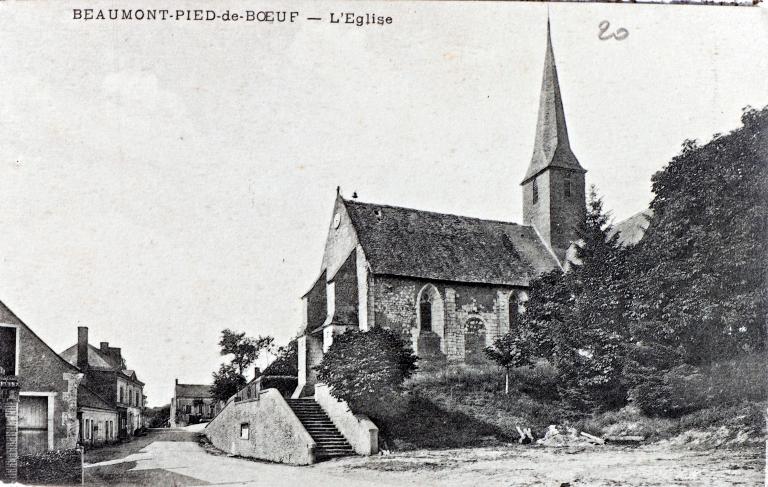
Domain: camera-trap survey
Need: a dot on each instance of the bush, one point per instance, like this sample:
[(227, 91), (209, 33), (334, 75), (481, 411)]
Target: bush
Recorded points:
[(287, 361), (286, 384), (55, 467), (367, 369), (685, 389)]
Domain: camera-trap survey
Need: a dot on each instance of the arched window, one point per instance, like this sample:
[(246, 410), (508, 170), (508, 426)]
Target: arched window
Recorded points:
[(427, 332), (514, 311), (425, 309), (474, 340)]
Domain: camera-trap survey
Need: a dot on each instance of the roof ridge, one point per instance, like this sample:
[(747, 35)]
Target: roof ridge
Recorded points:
[(356, 202)]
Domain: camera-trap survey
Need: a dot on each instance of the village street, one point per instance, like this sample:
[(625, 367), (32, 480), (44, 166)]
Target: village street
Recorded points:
[(172, 457)]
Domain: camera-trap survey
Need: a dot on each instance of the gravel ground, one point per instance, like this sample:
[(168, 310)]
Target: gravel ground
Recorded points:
[(174, 457), (651, 465)]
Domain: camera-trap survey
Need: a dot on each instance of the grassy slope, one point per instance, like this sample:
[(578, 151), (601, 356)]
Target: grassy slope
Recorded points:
[(467, 407)]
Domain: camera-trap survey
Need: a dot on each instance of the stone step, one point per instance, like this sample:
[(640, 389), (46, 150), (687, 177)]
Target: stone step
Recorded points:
[(330, 442)]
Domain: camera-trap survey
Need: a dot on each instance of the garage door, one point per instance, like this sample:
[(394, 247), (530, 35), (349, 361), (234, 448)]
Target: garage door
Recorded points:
[(33, 424)]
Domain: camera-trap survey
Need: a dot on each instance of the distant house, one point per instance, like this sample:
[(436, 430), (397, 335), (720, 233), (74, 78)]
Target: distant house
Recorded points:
[(107, 378), (38, 395), (191, 404), (98, 418)]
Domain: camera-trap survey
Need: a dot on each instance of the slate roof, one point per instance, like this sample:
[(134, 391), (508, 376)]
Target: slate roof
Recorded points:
[(193, 390), (551, 146), (88, 398), (438, 246), (95, 359)]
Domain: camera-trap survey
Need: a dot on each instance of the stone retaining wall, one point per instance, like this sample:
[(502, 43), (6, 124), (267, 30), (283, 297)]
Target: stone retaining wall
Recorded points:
[(274, 432)]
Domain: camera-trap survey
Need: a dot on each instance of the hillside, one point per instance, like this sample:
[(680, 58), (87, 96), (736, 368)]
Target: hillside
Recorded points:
[(467, 407)]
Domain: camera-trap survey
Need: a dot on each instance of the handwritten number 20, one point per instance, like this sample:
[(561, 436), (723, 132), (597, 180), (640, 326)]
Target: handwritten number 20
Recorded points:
[(620, 34)]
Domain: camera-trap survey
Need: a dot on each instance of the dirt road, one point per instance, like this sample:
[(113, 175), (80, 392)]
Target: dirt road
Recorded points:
[(173, 457)]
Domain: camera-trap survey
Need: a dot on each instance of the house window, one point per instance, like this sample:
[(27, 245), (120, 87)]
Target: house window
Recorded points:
[(130, 397), (535, 189), (120, 399), (245, 431), (8, 350), (189, 409), (567, 189)]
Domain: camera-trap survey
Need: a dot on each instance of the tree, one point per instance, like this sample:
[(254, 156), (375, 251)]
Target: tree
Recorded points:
[(282, 373), (700, 271), (509, 351), (575, 319), (230, 377), (287, 361), (367, 369), (244, 350), (226, 382)]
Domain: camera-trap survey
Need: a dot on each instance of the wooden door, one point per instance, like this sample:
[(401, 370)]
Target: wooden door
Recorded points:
[(33, 424)]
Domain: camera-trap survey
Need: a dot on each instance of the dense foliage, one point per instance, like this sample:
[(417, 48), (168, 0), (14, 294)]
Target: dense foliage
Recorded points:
[(367, 369), (699, 275), (55, 467), (244, 350), (226, 382), (575, 318), (638, 323), (158, 417), (287, 361)]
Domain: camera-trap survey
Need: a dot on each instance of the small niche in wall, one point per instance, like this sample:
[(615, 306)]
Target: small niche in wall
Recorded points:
[(245, 431)]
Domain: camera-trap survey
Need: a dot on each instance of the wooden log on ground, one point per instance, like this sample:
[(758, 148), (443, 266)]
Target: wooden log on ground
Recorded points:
[(594, 438)]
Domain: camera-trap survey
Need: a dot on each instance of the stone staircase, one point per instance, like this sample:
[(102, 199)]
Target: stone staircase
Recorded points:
[(330, 443)]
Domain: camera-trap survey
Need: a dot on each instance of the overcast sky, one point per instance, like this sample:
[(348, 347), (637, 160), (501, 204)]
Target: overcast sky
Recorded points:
[(162, 181)]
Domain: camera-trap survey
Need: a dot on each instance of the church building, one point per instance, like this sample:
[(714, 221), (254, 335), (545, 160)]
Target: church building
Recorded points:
[(449, 284)]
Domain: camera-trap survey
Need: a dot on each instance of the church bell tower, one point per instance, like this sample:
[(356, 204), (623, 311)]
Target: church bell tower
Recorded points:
[(553, 186)]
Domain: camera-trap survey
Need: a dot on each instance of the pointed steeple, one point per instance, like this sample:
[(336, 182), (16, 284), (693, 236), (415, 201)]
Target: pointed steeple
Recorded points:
[(551, 148)]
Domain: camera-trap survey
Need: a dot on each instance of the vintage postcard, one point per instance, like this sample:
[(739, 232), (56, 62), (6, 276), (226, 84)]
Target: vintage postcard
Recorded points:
[(383, 243)]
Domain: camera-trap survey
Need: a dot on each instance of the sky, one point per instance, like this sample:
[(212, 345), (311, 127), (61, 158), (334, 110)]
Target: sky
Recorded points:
[(161, 181)]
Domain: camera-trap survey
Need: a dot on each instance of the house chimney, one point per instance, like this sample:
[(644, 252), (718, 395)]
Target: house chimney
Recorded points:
[(82, 347), (177, 381), (104, 346)]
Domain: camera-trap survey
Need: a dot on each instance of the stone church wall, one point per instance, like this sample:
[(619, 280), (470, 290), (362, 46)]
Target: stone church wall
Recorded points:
[(395, 305)]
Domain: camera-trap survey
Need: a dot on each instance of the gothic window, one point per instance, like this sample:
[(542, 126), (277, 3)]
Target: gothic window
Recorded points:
[(425, 308), (513, 311), (535, 189), (474, 340), (427, 332)]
